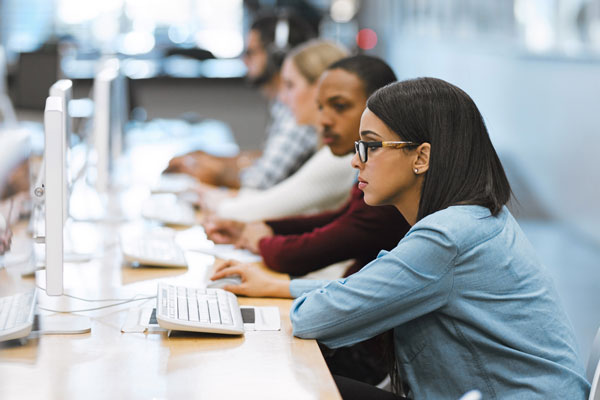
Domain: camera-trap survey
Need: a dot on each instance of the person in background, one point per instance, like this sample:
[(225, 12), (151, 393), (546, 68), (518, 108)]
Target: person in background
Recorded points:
[(288, 145), (5, 236), (299, 245), (470, 305), (10, 210), (357, 231), (324, 181)]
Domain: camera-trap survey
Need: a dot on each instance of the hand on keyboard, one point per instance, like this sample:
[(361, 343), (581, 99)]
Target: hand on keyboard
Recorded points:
[(222, 230), (256, 282)]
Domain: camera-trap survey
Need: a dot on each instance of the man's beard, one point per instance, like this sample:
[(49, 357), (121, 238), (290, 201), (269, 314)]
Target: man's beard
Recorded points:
[(265, 77)]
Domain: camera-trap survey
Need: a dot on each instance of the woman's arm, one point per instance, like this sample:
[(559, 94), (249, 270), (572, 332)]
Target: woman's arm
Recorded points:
[(257, 281), (414, 279), (360, 233), (322, 183)]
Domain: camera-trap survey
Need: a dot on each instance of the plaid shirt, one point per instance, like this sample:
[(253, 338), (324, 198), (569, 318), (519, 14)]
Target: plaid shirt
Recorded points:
[(287, 147)]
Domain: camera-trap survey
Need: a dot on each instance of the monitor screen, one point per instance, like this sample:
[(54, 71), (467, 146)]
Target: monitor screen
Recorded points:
[(54, 192), (109, 119), (64, 90), (111, 109)]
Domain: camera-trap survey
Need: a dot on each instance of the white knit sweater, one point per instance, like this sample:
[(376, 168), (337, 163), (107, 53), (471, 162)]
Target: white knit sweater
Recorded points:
[(322, 183)]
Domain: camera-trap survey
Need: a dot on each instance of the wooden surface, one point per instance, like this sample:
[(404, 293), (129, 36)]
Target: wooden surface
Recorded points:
[(109, 364)]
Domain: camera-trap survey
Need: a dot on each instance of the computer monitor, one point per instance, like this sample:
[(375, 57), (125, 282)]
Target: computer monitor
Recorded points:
[(110, 116), (54, 192), (63, 89), (55, 163), (2, 71)]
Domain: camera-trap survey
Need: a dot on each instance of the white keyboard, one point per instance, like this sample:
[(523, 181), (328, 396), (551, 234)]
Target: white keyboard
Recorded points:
[(16, 315), (174, 183), (167, 209), (198, 310), (153, 251)]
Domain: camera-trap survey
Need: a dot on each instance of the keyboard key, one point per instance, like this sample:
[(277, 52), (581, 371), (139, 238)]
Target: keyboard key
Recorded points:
[(203, 310), (5, 310), (12, 316), (182, 308), (192, 308), (213, 309)]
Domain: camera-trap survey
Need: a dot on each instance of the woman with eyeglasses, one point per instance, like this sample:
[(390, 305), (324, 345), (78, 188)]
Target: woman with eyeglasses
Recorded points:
[(470, 305), (355, 232)]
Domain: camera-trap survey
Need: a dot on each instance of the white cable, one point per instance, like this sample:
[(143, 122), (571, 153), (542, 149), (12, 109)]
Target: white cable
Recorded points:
[(92, 300), (119, 302), (95, 308)]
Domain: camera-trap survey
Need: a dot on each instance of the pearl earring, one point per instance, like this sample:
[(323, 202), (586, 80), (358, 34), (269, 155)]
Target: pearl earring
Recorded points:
[(416, 171)]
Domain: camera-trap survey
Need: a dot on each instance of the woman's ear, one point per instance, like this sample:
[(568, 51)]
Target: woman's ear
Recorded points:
[(421, 163)]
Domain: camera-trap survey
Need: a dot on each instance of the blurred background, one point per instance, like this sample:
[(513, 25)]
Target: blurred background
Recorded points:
[(532, 67)]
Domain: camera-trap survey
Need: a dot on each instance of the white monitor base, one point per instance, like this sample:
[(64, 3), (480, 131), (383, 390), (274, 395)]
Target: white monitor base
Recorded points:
[(63, 324)]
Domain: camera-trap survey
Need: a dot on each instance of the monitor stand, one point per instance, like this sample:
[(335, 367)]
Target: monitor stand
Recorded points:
[(62, 324)]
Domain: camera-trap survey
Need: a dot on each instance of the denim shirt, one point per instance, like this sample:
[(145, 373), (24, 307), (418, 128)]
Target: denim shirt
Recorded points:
[(470, 305)]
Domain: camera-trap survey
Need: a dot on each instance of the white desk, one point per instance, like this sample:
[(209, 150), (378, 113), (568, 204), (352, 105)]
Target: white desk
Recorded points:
[(109, 364)]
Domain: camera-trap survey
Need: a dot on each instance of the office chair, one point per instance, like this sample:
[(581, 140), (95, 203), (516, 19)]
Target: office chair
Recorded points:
[(594, 357), (471, 395), (386, 383), (593, 368), (595, 390)]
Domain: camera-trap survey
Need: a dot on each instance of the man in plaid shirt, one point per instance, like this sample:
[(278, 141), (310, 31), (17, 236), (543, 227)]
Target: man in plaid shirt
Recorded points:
[(288, 145)]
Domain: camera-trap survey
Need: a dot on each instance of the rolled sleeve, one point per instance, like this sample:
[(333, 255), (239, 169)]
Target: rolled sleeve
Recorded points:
[(300, 286), (410, 281)]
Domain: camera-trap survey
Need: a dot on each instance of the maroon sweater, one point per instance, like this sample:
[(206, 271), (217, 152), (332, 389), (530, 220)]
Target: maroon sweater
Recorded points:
[(356, 231)]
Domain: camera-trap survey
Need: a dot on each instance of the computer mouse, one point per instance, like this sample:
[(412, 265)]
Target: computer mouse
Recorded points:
[(221, 283)]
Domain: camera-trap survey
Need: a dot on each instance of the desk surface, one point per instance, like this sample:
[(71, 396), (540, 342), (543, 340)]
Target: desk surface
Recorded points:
[(109, 364)]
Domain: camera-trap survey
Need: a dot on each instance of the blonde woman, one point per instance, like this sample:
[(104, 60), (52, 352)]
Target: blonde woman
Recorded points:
[(324, 181)]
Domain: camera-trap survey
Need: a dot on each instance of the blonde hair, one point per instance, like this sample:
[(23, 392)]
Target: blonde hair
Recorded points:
[(313, 57)]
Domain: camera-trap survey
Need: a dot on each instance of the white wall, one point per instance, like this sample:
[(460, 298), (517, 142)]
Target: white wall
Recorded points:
[(543, 115)]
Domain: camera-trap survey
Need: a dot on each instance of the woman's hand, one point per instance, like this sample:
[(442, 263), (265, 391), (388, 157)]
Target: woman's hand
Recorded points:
[(177, 164), (204, 167), (14, 205), (209, 197), (5, 241), (223, 231), (252, 234), (256, 282)]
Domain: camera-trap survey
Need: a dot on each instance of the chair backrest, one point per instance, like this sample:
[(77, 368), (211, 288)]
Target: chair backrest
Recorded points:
[(594, 357), (595, 391), (471, 395)]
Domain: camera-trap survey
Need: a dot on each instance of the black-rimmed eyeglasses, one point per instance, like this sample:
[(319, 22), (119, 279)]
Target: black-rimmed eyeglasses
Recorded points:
[(362, 147)]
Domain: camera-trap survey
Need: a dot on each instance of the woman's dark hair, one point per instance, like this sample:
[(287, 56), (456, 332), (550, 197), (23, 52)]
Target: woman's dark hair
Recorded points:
[(372, 71), (463, 165)]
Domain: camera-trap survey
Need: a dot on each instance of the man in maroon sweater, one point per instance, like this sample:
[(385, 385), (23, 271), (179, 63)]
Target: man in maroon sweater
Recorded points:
[(356, 231), (299, 245)]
